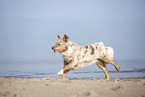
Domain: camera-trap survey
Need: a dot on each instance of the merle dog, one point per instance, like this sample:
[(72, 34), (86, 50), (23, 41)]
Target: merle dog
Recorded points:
[(76, 56)]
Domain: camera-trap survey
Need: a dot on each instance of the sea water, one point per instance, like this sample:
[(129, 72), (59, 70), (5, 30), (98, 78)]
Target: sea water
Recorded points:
[(39, 68)]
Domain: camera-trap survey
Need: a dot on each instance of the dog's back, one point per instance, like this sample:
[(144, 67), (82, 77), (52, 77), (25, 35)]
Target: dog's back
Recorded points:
[(87, 55)]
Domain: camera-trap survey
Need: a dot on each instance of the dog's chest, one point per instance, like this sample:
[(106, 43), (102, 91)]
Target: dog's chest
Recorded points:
[(67, 58), (67, 54)]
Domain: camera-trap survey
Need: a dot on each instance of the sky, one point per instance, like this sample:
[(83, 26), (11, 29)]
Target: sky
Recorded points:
[(29, 28)]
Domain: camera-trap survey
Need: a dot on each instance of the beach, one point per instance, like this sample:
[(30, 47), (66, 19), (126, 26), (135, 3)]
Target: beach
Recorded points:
[(38, 78), (56, 87)]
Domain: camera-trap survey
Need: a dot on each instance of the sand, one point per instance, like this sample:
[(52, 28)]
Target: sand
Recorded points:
[(55, 87)]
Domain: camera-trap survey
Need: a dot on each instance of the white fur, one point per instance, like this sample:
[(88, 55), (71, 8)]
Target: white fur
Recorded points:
[(60, 72), (67, 54)]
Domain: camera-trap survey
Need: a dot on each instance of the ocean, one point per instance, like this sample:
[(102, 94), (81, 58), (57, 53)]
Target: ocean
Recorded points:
[(39, 68)]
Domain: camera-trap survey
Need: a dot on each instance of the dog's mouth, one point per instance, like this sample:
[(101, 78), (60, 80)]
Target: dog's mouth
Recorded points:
[(57, 50)]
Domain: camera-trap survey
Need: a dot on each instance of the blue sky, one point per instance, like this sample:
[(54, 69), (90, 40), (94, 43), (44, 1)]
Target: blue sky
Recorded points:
[(29, 28)]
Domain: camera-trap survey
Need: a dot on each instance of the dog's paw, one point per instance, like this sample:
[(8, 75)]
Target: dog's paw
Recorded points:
[(60, 72)]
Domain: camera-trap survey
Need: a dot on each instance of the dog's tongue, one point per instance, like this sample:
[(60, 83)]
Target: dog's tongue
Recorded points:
[(56, 51)]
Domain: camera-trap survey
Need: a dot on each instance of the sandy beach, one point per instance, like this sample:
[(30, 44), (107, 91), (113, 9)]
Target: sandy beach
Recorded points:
[(55, 87)]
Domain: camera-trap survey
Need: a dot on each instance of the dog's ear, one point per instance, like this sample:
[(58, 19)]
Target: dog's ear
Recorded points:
[(65, 38), (59, 36)]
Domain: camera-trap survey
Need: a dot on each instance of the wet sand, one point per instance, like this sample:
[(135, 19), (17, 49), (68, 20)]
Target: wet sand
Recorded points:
[(54, 87)]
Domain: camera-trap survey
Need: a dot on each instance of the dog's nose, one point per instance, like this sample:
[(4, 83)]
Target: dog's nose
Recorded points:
[(52, 47)]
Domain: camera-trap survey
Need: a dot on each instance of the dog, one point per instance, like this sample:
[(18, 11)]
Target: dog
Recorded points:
[(76, 56)]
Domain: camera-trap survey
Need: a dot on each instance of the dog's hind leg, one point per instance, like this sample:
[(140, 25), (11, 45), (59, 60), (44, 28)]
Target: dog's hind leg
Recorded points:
[(102, 65), (114, 63)]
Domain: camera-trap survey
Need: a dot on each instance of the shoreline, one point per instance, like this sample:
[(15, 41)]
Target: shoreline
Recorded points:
[(56, 87)]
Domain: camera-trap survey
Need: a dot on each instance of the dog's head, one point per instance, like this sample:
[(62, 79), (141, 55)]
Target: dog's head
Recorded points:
[(61, 44)]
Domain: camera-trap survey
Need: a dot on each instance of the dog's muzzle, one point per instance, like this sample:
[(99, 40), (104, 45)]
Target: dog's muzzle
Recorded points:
[(56, 50)]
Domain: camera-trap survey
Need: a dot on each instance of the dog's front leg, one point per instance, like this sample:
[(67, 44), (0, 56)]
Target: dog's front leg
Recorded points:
[(61, 72), (66, 68), (64, 74)]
